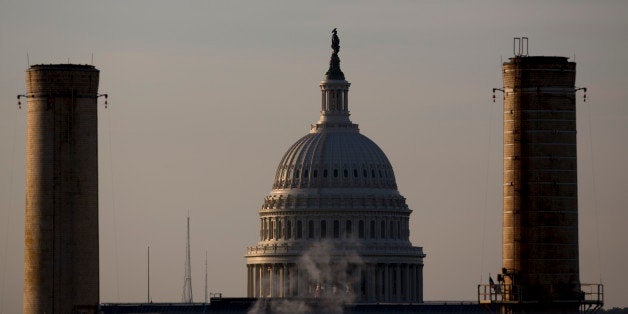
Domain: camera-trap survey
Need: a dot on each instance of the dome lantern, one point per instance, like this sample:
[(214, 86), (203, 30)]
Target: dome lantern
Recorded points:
[(335, 95)]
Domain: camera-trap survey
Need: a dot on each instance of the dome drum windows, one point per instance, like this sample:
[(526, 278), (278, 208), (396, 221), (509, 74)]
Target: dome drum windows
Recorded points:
[(316, 228), (348, 229), (361, 229), (271, 230), (299, 231), (310, 229), (382, 229)]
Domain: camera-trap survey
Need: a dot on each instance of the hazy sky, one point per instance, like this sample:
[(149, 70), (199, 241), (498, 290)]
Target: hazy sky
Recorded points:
[(205, 97)]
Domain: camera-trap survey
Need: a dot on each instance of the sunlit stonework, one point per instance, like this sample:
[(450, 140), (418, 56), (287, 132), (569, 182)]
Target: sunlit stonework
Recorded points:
[(334, 224)]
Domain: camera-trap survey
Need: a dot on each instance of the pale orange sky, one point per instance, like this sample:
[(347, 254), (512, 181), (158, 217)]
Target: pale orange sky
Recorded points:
[(205, 97)]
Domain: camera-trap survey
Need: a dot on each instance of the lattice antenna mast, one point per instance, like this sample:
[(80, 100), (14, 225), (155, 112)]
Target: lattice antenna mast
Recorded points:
[(187, 282)]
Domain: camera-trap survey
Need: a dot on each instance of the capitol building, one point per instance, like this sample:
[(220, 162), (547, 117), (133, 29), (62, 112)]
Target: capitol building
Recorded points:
[(334, 224)]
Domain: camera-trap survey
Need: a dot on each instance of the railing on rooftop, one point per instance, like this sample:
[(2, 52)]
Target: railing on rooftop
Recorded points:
[(498, 293), (590, 296)]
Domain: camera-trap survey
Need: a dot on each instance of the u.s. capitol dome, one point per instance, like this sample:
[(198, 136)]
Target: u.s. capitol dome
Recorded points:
[(334, 224)]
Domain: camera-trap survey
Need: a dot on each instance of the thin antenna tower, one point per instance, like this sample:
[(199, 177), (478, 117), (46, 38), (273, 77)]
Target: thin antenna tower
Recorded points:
[(187, 282), (148, 281), (205, 276)]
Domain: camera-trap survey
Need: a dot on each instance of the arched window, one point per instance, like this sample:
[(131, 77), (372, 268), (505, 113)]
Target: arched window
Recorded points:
[(336, 229), (296, 173), (310, 229), (288, 229), (323, 229), (372, 173), (346, 173), (279, 231), (361, 229), (348, 229), (372, 231), (392, 231), (365, 173), (299, 229), (315, 173), (335, 173), (355, 173), (325, 173), (398, 229), (305, 173)]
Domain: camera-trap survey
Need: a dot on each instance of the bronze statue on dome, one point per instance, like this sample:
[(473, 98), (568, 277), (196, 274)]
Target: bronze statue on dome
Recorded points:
[(335, 41)]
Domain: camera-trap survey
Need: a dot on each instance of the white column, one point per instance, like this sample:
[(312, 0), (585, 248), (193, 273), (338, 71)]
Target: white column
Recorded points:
[(327, 100), (260, 281), (301, 282), (412, 277), (357, 283), (420, 282), (372, 280), (398, 282), (293, 280), (282, 282), (249, 280), (406, 282), (380, 282), (386, 283), (269, 271)]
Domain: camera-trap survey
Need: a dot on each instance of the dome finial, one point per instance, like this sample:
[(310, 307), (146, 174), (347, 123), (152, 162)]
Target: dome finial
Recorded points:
[(334, 72)]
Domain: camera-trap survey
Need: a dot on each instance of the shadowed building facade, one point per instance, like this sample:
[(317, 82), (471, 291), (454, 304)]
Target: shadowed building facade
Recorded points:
[(335, 224), (61, 223)]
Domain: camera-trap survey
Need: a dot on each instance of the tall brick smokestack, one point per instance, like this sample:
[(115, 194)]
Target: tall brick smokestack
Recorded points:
[(61, 240), (540, 235)]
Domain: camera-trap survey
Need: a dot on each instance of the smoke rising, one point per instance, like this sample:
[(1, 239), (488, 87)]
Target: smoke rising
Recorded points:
[(331, 273)]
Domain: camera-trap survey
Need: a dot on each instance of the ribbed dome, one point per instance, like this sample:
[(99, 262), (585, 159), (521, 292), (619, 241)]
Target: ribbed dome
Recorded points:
[(334, 158)]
